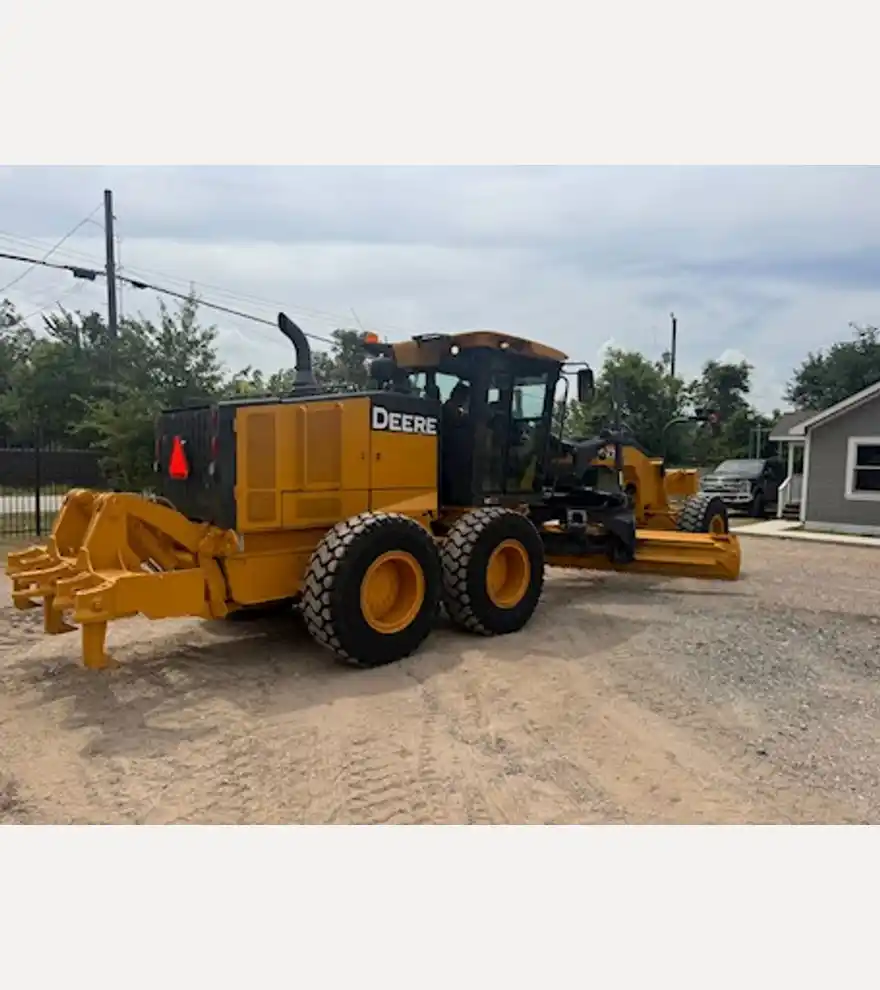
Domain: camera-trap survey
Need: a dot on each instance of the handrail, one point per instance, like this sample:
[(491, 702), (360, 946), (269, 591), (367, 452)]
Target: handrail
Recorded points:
[(790, 492), (782, 496)]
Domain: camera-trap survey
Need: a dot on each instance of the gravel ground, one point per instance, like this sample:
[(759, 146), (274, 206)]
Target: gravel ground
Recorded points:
[(627, 699)]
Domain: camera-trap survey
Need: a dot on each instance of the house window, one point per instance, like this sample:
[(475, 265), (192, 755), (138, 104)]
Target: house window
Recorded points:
[(863, 469)]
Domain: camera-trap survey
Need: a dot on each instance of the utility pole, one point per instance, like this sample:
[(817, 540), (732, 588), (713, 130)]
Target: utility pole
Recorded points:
[(674, 342), (110, 270)]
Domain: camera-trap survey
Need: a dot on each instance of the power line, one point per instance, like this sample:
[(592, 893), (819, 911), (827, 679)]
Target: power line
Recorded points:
[(269, 303), (90, 274), (242, 296), (50, 252), (77, 271), (339, 318), (137, 284), (38, 245)]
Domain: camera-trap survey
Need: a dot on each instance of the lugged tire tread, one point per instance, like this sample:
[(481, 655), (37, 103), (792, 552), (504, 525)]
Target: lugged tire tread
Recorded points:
[(324, 567), (455, 560)]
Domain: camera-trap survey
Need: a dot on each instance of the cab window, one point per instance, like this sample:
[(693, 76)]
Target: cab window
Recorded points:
[(515, 434), (420, 382), (528, 433)]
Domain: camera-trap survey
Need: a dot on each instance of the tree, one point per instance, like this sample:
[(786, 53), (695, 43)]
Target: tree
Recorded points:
[(724, 388), (156, 366), (246, 382), (826, 378), (187, 366), (52, 378), (16, 340), (640, 393), (125, 429), (343, 366)]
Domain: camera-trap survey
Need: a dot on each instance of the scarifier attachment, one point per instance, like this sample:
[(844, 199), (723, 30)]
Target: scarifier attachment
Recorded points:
[(113, 555), (671, 554)]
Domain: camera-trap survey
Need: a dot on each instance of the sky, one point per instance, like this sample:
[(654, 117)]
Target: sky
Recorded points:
[(762, 263)]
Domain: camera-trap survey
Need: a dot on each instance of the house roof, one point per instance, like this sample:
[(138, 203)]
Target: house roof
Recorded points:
[(782, 430), (848, 404)]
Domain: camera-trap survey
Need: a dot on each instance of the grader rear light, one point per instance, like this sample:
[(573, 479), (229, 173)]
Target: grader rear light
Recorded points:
[(178, 468)]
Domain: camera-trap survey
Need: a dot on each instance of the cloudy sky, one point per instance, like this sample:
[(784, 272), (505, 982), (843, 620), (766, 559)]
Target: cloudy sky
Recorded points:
[(765, 263)]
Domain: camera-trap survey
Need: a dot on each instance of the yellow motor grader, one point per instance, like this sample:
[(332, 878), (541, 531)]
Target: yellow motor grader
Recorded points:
[(364, 509)]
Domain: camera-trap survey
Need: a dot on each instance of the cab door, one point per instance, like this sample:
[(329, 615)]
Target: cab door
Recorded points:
[(511, 440)]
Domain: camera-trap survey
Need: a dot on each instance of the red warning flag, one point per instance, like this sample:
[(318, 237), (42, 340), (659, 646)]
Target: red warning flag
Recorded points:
[(177, 466)]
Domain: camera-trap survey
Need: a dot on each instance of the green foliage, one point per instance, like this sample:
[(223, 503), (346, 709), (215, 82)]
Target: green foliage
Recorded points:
[(124, 427), (636, 392), (246, 382), (643, 396), (344, 366), (16, 340), (186, 366), (827, 377), (724, 388), (49, 379)]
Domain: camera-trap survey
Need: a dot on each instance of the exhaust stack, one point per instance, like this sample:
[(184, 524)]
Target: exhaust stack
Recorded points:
[(305, 376)]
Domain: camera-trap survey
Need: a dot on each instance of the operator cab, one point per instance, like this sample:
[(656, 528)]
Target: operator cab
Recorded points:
[(497, 395)]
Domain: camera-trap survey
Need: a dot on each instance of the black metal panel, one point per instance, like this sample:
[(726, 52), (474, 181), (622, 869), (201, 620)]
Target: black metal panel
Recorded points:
[(200, 496)]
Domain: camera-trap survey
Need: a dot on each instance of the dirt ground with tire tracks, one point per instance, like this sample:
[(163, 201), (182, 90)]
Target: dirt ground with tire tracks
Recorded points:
[(627, 699)]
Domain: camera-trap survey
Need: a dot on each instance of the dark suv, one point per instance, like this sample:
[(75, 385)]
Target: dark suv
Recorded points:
[(749, 484)]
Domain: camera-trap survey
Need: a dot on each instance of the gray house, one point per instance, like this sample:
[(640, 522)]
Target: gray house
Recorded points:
[(833, 481)]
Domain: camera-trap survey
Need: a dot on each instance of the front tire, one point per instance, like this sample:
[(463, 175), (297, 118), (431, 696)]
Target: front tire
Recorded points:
[(493, 571), (372, 588), (704, 513)]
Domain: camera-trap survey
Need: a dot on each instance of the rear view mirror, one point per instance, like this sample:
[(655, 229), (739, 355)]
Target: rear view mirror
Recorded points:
[(585, 385)]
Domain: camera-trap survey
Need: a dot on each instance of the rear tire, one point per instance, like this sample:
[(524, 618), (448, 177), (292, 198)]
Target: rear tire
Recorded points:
[(493, 571), (704, 513), (372, 588)]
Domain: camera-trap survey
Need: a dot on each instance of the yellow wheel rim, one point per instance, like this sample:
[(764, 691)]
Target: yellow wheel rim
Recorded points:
[(717, 526), (392, 592), (508, 574)]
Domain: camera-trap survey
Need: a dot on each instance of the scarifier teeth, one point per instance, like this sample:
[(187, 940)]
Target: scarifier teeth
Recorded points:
[(69, 587), (39, 580), (33, 557)]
